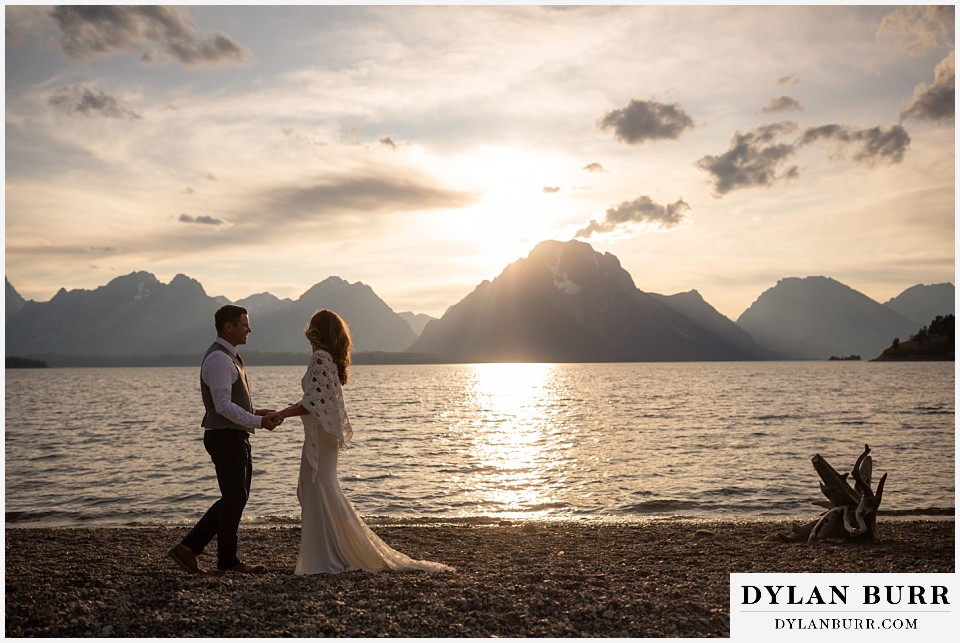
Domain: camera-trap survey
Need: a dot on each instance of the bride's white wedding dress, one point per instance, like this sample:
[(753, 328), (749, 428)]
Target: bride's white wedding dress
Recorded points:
[(333, 536)]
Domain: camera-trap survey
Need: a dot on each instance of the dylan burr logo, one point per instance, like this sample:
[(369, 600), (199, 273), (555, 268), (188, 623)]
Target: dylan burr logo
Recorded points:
[(837, 605), (872, 595)]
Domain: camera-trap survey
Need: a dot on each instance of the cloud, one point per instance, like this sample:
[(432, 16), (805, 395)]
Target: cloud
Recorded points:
[(752, 160), (646, 121), (782, 104), (203, 219), (640, 210), (755, 158), (593, 167), (332, 208), (919, 29), (23, 23), (551, 190), (77, 98), (873, 145), (790, 79), (90, 31), (936, 102), (388, 142), (372, 194)]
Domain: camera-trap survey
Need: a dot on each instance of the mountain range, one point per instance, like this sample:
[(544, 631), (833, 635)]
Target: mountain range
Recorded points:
[(563, 302), (922, 304), (818, 317), (137, 315), (567, 302)]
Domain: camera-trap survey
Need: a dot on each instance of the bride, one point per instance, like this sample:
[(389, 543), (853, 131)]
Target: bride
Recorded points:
[(333, 537)]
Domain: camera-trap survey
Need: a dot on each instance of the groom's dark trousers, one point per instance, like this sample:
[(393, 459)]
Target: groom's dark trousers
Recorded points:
[(230, 451)]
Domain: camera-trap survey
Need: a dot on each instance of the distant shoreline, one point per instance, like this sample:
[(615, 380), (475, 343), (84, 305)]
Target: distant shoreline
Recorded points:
[(15, 521), (363, 359), (253, 358)]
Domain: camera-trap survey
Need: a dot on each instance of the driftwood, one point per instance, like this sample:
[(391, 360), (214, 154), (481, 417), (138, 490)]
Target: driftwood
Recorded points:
[(851, 511)]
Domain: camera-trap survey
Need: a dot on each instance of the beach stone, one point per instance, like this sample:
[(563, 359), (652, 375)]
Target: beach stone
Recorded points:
[(621, 581), (704, 533), (529, 528)]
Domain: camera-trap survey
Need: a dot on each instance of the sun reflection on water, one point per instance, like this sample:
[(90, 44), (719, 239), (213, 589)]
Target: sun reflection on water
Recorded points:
[(510, 438)]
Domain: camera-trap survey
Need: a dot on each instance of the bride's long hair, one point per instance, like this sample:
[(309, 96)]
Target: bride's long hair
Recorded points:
[(329, 332)]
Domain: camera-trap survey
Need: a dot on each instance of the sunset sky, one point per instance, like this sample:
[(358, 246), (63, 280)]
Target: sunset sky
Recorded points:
[(420, 150)]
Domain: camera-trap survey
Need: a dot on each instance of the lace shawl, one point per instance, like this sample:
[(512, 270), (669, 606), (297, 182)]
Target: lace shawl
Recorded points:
[(323, 399)]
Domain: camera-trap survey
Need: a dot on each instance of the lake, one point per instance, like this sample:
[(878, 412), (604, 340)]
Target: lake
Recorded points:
[(123, 446)]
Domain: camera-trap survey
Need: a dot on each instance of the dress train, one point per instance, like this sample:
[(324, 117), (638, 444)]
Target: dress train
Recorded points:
[(334, 537)]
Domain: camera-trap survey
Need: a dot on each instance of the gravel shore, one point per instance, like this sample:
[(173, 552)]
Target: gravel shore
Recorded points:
[(657, 579)]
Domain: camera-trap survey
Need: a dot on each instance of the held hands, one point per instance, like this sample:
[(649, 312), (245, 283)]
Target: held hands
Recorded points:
[(272, 421), (271, 418)]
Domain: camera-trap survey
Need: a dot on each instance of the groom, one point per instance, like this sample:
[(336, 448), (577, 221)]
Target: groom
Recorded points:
[(228, 422)]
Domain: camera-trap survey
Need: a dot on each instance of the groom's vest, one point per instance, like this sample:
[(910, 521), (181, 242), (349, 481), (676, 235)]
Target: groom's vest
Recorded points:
[(239, 395)]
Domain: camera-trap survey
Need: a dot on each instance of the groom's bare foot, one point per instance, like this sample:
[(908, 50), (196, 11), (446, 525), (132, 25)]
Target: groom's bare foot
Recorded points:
[(244, 568), (186, 559)]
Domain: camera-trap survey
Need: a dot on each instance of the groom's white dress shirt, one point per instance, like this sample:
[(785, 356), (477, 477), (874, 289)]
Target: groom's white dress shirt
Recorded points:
[(219, 373)]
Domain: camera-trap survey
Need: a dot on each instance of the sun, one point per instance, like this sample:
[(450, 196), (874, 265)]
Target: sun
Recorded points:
[(525, 196)]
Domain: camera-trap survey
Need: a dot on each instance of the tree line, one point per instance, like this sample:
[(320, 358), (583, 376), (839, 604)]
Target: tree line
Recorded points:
[(941, 326)]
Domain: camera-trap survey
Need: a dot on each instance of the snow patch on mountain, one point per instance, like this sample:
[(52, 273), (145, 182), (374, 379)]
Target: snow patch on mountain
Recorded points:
[(567, 286), (561, 280)]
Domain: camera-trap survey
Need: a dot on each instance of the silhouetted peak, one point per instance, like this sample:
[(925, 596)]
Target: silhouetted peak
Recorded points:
[(61, 294), (183, 282), (562, 253), (138, 285), (262, 297), (576, 265), (922, 302), (328, 285), (800, 290), (922, 290), (11, 291), (262, 302), (815, 317), (14, 301), (550, 248), (335, 285), (136, 278), (789, 282), (690, 295), (567, 302)]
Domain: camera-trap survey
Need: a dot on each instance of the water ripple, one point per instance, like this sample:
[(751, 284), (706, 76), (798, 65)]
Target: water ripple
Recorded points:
[(482, 441)]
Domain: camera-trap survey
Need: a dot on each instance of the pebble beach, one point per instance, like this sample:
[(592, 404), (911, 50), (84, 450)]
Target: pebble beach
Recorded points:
[(665, 578)]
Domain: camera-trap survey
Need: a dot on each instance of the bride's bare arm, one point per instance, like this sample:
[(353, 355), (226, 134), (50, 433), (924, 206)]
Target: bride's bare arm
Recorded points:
[(293, 410)]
